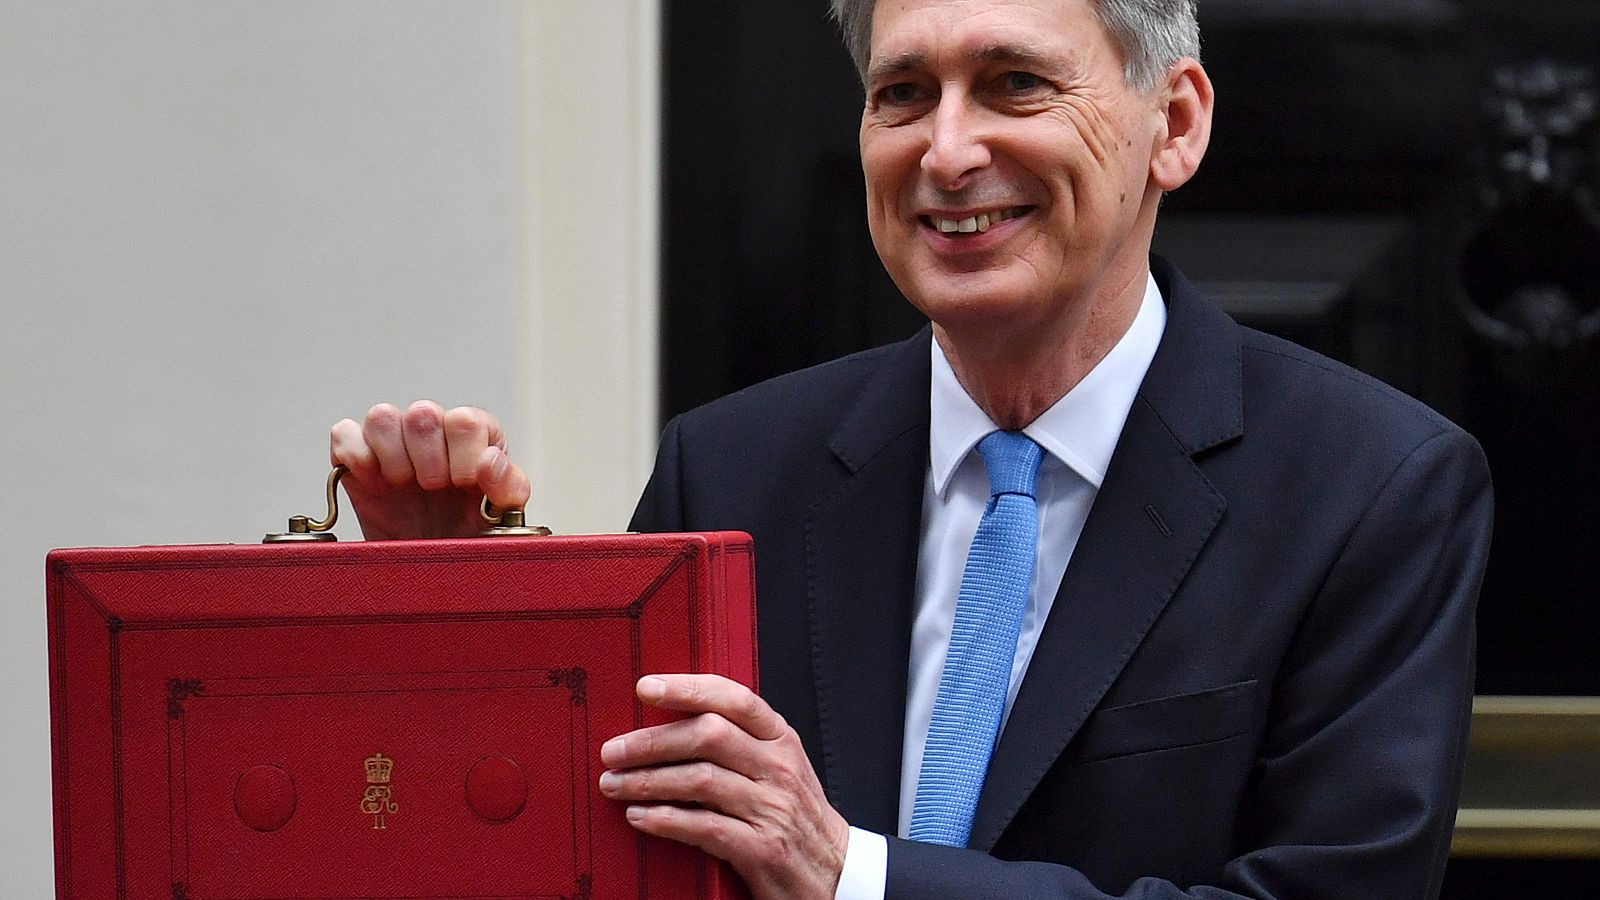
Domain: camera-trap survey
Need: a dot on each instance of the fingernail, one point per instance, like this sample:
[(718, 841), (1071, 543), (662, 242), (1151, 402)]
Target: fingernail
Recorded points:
[(609, 782), (635, 814), (612, 750), (652, 688), (501, 463)]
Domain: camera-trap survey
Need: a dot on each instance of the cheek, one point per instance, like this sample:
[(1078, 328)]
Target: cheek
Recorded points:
[(875, 167), (880, 208), (890, 169), (1103, 139)]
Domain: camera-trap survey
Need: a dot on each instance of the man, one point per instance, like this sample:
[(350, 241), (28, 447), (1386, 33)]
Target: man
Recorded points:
[(1253, 679)]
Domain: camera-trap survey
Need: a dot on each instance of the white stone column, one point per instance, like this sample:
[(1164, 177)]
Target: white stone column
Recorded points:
[(588, 395)]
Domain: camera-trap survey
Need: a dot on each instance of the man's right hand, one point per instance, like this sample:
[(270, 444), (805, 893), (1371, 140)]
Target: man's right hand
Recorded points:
[(422, 473)]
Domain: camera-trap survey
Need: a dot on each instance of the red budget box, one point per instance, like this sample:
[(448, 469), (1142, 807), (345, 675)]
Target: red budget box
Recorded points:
[(375, 720)]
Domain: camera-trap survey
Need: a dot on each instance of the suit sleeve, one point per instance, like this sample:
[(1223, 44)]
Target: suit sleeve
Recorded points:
[(1355, 786), (660, 507)]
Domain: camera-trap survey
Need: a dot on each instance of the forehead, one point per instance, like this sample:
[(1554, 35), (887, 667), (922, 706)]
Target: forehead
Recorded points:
[(925, 29)]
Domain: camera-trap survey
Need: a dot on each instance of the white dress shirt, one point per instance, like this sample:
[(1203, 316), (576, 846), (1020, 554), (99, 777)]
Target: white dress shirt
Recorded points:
[(1078, 434)]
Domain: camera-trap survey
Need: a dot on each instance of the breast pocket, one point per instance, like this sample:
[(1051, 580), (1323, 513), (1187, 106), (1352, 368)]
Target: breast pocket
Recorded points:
[(1169, 723)]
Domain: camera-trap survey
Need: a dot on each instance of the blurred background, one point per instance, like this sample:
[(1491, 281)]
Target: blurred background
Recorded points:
[(226, 224)]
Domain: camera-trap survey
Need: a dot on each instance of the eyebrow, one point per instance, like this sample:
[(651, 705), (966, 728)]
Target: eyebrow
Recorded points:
[(1026, 54), (1014, 53), (895, 65)]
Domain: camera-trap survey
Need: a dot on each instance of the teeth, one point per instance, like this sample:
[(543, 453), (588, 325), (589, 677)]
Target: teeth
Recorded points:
[(979, 223)]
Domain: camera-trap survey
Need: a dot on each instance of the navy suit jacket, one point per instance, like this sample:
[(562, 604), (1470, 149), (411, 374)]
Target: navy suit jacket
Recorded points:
[(1255, 681)]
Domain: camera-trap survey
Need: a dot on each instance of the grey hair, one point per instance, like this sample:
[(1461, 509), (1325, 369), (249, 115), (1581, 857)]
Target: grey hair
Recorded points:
[(1152, 34)]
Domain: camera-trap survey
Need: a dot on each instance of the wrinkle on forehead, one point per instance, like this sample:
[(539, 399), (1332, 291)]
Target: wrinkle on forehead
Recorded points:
[(980, 39)]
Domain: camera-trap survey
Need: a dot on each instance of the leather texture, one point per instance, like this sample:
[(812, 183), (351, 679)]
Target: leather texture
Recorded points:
[(1256, 677), (400, 719)]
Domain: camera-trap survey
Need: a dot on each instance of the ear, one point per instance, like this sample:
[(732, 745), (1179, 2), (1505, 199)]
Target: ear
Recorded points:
[(1187, 113)]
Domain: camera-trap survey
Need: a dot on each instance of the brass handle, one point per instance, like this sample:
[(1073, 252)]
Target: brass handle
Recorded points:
[(301, 528), (508, 523)]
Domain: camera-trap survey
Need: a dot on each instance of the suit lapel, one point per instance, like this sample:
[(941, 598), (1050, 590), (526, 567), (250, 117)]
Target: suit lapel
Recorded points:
[(861, 564), (1154, 513)]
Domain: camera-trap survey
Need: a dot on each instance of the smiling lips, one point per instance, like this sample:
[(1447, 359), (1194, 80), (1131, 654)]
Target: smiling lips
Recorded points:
[(973, 224)]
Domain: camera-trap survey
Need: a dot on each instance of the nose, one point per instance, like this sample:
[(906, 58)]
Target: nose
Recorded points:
[(955, 148)]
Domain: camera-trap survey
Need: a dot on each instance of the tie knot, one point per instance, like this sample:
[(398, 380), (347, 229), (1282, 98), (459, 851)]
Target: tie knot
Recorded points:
[(1012, 460)]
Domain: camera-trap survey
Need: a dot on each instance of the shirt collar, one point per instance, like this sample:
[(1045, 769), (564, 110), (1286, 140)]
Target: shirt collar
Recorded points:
[(1080, 430)]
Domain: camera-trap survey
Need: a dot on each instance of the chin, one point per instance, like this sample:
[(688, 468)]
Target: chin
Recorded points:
[(964, 305)]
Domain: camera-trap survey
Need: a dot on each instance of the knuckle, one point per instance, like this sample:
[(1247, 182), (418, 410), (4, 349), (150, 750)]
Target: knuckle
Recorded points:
[(463, 414), (422, 416), (780, 778), (463, 420), (343, 436), (715, 732), (785, 768), (701, 779), (770, 855), (694, 692), (752, 706), (643, 743), (790, 741), (382, 414)]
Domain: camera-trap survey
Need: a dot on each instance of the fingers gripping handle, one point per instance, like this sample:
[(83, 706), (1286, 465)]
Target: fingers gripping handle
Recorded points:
[(511, 522)]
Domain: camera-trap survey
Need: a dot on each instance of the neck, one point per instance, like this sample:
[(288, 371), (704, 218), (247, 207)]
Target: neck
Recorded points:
[(1015, 374)]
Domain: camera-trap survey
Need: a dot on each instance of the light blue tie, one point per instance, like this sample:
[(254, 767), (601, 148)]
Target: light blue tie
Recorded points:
[(983, 643)]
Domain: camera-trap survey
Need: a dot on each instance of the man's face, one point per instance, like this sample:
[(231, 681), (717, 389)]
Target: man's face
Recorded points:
[(1006, 160)]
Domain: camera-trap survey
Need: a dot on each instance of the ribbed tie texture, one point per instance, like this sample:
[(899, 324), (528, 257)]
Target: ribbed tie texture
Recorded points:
[(983, 644)]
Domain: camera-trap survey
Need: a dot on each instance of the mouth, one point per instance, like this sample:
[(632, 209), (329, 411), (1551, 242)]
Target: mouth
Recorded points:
[(975, 223)]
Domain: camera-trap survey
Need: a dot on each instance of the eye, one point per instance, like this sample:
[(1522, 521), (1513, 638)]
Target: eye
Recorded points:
[(1022, 82), (900, 93)]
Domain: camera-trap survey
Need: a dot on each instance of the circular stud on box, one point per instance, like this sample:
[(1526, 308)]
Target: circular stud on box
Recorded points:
[(496, 789), (264, 798)]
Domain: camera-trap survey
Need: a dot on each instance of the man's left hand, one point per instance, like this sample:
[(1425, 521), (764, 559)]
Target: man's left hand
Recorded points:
[(733, 780)]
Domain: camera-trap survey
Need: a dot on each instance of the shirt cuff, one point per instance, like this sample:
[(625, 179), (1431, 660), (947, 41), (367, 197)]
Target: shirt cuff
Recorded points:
[(866, 867)]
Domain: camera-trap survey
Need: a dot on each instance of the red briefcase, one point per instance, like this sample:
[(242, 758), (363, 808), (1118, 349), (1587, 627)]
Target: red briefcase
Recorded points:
[(375, 720)]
